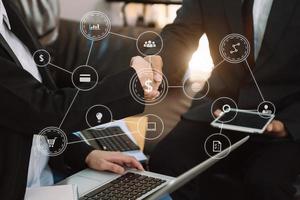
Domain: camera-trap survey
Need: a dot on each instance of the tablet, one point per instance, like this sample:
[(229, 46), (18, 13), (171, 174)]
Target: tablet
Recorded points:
[(243, 120)]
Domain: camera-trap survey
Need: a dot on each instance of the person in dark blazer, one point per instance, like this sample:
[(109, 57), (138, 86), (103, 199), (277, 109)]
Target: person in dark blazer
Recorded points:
[(266, 166), (31, 101)]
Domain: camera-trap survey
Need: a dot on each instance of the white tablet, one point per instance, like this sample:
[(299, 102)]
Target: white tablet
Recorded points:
[(243, 120)]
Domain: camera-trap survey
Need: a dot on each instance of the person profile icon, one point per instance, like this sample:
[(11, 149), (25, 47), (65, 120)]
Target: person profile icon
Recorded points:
[(266, 109)]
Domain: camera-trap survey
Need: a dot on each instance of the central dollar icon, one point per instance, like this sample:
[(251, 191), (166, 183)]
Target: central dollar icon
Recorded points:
[(149, 87)]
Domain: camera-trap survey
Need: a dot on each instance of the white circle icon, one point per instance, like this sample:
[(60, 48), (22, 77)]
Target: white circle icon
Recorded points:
[(217, 146), (266, 109), (154, 127), (149, 86), (195, 90), (225, 104), (95, 25), (41, 58), (226, 108), (234, 48), (149, 43), (85, 78), (98, 115), (52, 141)]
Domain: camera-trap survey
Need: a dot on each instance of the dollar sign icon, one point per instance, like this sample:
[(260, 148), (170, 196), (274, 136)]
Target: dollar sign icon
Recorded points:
[(148, 84), (41, 58)]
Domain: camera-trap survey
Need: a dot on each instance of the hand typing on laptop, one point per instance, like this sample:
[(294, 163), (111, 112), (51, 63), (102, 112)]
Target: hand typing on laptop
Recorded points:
[(111, 161)]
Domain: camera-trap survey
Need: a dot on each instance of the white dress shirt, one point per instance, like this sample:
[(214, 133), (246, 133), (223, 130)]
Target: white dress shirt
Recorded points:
[(261, 12), (39, 173)]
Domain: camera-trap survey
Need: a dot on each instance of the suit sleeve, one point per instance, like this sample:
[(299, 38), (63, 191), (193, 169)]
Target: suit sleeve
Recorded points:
[(181, 39), (27, 106), (289, 115)]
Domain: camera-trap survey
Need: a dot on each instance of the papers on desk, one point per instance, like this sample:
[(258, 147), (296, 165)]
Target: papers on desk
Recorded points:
[(61, 192)]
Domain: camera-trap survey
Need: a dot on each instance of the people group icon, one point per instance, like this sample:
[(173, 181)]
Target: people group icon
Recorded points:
[(149, 44)]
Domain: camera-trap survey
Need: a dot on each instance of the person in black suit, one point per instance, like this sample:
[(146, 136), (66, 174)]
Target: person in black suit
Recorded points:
[(31, 101), (266, 166)]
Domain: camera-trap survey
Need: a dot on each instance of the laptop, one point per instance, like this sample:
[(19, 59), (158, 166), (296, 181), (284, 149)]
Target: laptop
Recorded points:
[(113, 136), (136, 184)]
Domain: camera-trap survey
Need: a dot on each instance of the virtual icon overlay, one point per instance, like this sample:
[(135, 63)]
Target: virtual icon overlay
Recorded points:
[(196, 90), (266, 108), (224, 104), (97, 115), (41, 58), (215, 144), (96, 26), (235, 48), (149, 85), (85, 78), (149, 43), (154, 127), (52, 141)]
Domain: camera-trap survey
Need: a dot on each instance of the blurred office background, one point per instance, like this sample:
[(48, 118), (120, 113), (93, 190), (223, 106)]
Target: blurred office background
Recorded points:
[(159, 14)]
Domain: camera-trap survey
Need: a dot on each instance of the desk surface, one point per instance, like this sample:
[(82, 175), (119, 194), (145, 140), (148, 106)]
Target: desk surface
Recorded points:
[(166, 2)]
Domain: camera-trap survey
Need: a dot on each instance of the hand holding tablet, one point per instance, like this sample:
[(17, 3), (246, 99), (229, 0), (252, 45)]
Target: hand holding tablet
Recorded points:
[(243, 120)]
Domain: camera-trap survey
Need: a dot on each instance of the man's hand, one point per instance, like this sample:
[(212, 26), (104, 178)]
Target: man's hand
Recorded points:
[(157, 65), (217, 113), (148, 69), (275, 128), (111, 161)]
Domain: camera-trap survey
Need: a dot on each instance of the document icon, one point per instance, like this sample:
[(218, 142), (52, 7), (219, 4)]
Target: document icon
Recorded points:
[(84, 78), (217, 146)]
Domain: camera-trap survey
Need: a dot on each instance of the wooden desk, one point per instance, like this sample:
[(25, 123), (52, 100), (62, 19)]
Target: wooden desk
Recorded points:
[(138, 131)]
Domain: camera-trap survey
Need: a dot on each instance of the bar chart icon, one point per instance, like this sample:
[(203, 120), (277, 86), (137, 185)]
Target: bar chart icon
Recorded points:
[(84, 78)]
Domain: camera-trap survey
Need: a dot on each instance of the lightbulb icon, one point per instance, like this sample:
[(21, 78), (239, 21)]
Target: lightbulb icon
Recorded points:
[(99, 117)]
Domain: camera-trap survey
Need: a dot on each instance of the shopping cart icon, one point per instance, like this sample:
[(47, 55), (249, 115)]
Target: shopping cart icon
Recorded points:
[(51, 142)]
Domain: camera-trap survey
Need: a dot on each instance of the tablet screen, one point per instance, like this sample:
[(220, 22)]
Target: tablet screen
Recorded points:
[(250, 120)]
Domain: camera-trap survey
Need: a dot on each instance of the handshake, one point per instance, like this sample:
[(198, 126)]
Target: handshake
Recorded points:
[(148, 69)]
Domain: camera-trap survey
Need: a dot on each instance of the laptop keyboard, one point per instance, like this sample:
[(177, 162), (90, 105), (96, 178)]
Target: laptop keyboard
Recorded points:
[(112, 139), (128, 186)]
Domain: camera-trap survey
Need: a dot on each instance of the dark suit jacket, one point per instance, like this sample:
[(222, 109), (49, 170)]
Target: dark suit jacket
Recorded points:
[(28, 106), (277, 68)]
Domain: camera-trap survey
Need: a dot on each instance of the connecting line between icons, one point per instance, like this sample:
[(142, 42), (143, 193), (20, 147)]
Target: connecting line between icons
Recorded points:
[(68, 109), (53, 65), (77, 92), (221, 129), (253, 77), (175, 86), (217, 65), (124, 36), (88, 58)]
